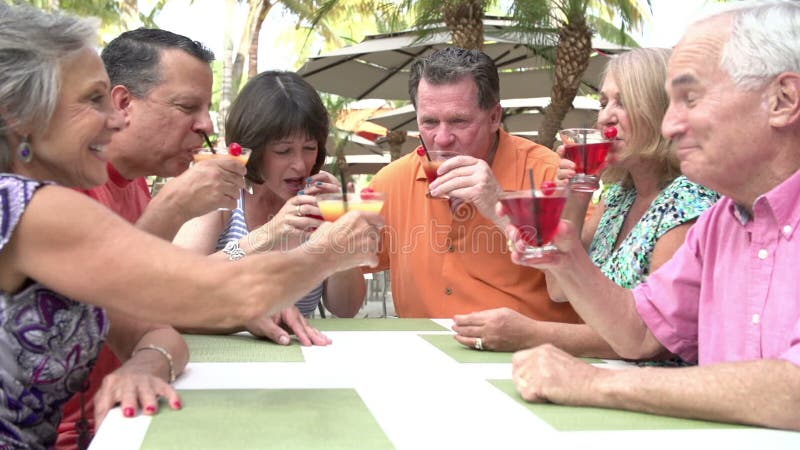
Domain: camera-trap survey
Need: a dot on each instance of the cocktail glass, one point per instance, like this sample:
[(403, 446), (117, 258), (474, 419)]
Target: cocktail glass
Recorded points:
[(587, 148), (332, 207), (223, 152), (536, 214), (430, 166)]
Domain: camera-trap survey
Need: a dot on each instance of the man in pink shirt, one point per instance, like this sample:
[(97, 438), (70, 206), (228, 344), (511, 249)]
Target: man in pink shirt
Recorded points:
[(730, 297)]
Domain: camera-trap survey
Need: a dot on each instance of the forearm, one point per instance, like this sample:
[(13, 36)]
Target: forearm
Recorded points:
[(576, 339), (345, 292), (553, 289), (764, 393), (576, 207), (162, 217), (606, 307), (167, 339)]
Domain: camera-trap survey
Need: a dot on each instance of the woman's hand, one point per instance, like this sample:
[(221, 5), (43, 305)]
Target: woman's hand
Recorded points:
[(277, 327), (134, 387), (322, 183), (290, 227)]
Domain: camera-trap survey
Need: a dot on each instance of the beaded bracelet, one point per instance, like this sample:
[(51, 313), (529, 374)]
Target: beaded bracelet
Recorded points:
[(164, 352)]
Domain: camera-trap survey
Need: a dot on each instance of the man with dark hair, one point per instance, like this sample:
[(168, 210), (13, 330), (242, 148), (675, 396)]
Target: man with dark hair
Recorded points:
[(450, 256), (161, 84)]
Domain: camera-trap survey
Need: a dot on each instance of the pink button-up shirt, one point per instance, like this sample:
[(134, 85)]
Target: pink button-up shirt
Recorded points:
[(732, 291)]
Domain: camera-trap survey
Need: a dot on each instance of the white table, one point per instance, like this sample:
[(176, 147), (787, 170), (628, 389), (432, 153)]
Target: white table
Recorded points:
[(395, 372)]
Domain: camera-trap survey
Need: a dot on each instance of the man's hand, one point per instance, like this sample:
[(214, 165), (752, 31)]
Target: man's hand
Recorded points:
[(276, 328), (501, 329), (351, 241), (548, 374), (205, 186), (469, 179)]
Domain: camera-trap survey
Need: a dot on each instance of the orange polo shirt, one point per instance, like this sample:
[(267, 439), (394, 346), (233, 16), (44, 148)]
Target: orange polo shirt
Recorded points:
[(445, 263)]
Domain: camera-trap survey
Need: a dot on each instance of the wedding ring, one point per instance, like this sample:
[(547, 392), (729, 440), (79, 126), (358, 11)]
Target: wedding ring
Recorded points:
[(297, 211), (478, 344)]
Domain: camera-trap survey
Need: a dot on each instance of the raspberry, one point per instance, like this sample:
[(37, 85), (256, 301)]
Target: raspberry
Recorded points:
[(368, 194), (421, 151), (610, 132), (234, 149), (548, 187)]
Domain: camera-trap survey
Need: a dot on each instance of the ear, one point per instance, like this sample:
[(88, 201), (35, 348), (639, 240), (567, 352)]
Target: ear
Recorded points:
[(121, 99), (496, 116), (784, 104)]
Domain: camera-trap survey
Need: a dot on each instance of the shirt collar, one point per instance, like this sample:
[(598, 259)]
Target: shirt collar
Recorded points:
[(116, 177), (781, 201)]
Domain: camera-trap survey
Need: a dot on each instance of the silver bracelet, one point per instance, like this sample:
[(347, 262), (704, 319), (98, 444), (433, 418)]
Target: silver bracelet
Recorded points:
[(233, 251), (164, 352)]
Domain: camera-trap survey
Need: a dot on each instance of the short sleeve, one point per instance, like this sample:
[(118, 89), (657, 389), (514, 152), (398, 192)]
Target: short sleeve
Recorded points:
[(668, 301), (681, 202), (15, 195)]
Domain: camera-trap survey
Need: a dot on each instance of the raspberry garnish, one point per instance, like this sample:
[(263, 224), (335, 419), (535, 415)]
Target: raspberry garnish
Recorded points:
[(548, 187), (368, 194), (610, 132), (234, 149), (421, 151)]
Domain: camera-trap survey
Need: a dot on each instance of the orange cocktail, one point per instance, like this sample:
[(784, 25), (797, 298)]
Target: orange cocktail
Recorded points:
[(205, 154), (332, 207)]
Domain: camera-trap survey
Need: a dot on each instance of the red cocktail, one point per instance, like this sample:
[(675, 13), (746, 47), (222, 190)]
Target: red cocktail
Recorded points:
[(536, 215), (432, 162), (588, 149)]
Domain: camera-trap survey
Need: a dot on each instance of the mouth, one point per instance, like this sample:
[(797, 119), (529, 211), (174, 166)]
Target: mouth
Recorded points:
[(98, 150), (295, 184)]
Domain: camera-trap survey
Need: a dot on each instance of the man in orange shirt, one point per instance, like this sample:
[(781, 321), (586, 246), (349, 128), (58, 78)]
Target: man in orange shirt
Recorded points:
[(449, 256)]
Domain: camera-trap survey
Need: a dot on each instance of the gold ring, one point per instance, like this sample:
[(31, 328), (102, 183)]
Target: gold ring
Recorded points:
[(478, 344), (297, 211)]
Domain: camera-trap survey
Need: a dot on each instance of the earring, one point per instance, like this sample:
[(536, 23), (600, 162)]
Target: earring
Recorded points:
[(24, 151)]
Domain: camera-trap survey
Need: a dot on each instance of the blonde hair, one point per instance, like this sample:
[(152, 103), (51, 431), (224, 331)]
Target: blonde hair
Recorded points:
[(640, 75)]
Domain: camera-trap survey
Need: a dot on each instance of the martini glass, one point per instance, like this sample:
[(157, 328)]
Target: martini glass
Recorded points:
[(587, 148), (536, 215), (431, 165)]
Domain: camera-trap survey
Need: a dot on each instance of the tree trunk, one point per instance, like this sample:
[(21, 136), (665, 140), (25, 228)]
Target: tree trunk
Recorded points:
[(396, 139), (464, 19), (227, 60), (253, 7), (572, 59), (252, 60)]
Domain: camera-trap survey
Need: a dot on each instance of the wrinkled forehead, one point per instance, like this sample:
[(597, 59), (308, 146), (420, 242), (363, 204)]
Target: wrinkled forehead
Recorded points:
[(697, 55)]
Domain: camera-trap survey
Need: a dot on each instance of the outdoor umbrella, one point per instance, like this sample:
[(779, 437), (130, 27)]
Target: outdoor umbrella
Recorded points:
[(519, 115), (378, 66)]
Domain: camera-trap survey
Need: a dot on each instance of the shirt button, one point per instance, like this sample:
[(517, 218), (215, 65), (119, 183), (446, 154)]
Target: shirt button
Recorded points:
[(756, 319), (451, 249), (448, 291), (787, 230), (762, 254)]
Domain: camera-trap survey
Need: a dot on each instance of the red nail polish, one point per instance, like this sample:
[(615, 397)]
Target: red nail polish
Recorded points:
[(128, 412), (177, 405), (150, 409)]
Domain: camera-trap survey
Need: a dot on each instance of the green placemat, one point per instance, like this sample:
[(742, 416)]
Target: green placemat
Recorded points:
[(235, 348), (376, 325), (266, 418), (455, 350), (581, 418)]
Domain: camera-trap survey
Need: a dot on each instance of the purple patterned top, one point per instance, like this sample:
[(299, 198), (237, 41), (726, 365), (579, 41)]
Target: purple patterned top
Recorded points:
[(48, 343)]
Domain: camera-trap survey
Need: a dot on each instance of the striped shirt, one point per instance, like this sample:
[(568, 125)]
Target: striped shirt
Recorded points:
[(237, 229)]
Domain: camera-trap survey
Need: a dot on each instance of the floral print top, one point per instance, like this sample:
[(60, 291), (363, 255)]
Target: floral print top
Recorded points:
[(48, 343), (629, 264)]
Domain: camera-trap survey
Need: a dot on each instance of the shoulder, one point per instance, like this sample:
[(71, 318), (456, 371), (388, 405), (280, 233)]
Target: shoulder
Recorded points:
[(687, 198), (403, 168), (528, 149), (16, 193)]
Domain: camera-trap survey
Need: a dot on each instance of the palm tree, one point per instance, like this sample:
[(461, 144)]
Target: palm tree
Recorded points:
[(575, 27)]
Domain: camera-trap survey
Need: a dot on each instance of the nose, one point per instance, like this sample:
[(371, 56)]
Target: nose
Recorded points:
[(203, 123), (673, 123), (606, 118), (442, 138)]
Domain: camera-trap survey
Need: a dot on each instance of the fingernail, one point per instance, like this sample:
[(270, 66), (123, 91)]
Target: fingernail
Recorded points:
[(301, 192), (177, 404), (284, 340), (318, 183), (309, 180), (150, 409), (128, 412)]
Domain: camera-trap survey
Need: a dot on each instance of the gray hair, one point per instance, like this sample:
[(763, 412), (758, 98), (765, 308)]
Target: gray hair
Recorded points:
[(451, 64), (764, 42), (33, 45), (133, 58)]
